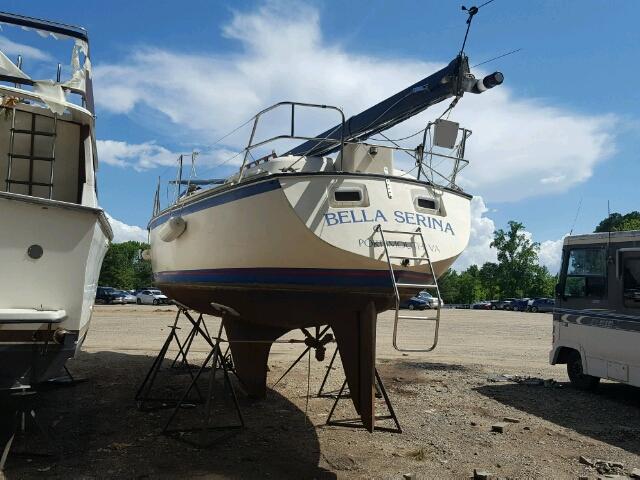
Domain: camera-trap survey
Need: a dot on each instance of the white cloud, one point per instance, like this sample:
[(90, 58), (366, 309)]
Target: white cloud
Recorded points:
[(12, 48), (550, 254), (140, 156), (123, 232), (479, 250), (147, 155)]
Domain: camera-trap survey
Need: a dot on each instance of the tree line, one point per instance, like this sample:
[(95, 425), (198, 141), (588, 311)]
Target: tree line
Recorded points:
[(517, 272), (123, 266)]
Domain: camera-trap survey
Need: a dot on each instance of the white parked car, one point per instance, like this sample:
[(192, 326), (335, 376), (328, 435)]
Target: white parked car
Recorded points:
[(151, 297), (432, 301), (128, 297)]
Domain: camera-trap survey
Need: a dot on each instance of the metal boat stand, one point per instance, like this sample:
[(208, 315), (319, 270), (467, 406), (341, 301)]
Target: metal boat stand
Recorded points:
[(356, 423), (144, 398), (18, 413), (319, 342), (218, 362)]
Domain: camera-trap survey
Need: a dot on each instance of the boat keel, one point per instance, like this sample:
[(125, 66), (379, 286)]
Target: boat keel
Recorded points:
[(357, 344), (356, 337), (250, 359)]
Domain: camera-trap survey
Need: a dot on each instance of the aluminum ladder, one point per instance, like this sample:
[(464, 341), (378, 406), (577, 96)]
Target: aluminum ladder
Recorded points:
[(32, 133), (424, 286)]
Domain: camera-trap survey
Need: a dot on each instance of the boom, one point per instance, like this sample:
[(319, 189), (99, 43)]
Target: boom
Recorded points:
[(452, 81)]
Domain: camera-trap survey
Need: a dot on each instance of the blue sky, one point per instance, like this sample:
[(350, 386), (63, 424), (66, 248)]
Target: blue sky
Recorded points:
[(172, 79)]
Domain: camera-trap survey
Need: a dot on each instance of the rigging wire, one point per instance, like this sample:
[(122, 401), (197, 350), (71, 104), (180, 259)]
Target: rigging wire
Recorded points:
[(471, 11), (496, 58), (576, 218)]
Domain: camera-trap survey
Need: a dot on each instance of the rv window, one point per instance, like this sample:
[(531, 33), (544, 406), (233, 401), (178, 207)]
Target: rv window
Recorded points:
[(586, 273), (631, 282), (347, 195)]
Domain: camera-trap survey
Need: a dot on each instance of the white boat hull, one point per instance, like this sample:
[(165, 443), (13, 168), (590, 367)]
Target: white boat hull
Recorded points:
[(73, 240), (283, 233)]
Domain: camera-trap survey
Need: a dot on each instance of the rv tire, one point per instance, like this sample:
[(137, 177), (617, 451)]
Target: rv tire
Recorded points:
[(579, 379)]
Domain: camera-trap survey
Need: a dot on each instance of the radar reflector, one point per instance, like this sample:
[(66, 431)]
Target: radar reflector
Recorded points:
[(445, 133)]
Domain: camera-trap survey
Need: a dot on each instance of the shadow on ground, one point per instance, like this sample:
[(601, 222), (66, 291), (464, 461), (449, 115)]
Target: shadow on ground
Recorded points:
[(103, 435), (611, 414)]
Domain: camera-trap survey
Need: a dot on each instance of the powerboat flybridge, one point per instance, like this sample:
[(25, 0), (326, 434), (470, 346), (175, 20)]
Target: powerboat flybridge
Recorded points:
[(53, 234), (305, 239)]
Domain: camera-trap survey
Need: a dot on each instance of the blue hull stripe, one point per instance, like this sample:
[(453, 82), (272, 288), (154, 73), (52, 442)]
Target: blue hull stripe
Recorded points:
[(290, 276), (215, 200)]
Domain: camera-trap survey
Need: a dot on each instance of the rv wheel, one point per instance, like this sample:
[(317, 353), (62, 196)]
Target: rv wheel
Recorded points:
[(578, 378)]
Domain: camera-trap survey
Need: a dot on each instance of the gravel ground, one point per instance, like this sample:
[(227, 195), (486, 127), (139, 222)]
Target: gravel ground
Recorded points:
[(447, 402)]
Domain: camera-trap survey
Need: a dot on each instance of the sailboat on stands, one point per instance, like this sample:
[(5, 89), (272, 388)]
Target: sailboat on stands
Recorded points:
[(304, 239)]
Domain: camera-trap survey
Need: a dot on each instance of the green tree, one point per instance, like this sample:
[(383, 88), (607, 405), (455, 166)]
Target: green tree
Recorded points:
[(449, 284), (617, 222), (542, 284), (123, 266), (470, 285), (489, 280), (517, 259)]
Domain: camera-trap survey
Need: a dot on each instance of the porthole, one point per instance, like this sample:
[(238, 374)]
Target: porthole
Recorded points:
[(35, 251), (347, 195), (427, 203)]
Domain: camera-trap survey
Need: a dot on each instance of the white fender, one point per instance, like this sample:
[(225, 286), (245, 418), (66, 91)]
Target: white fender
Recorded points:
[(172, 229)]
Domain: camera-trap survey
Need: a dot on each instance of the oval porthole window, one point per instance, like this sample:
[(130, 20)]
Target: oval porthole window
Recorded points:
[(35, 251)]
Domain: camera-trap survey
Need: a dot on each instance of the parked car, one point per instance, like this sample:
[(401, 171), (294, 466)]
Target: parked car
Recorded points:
[(107, 295), (151, 297), (494, 304), (519, 305), (128, 297), (543, 305), (430, 299), (505, 304), (481, 305), (415, 303)]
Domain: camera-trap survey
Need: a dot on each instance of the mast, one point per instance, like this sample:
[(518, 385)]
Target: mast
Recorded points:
[(452, 81)]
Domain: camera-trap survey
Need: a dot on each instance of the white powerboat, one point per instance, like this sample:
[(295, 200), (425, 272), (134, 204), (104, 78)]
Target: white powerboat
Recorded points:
[(53, 234), (304, 239)]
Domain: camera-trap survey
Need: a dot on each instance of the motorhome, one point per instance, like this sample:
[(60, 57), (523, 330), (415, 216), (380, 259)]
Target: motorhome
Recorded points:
[(596, 322)]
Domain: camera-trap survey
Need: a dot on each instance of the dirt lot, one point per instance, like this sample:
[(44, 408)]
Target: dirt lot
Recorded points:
[(445, 401)]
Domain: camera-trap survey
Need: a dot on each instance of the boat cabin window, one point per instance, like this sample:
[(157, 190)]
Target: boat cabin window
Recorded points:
[(585, 274), (427, 203), (631, 282), (347, 195)]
